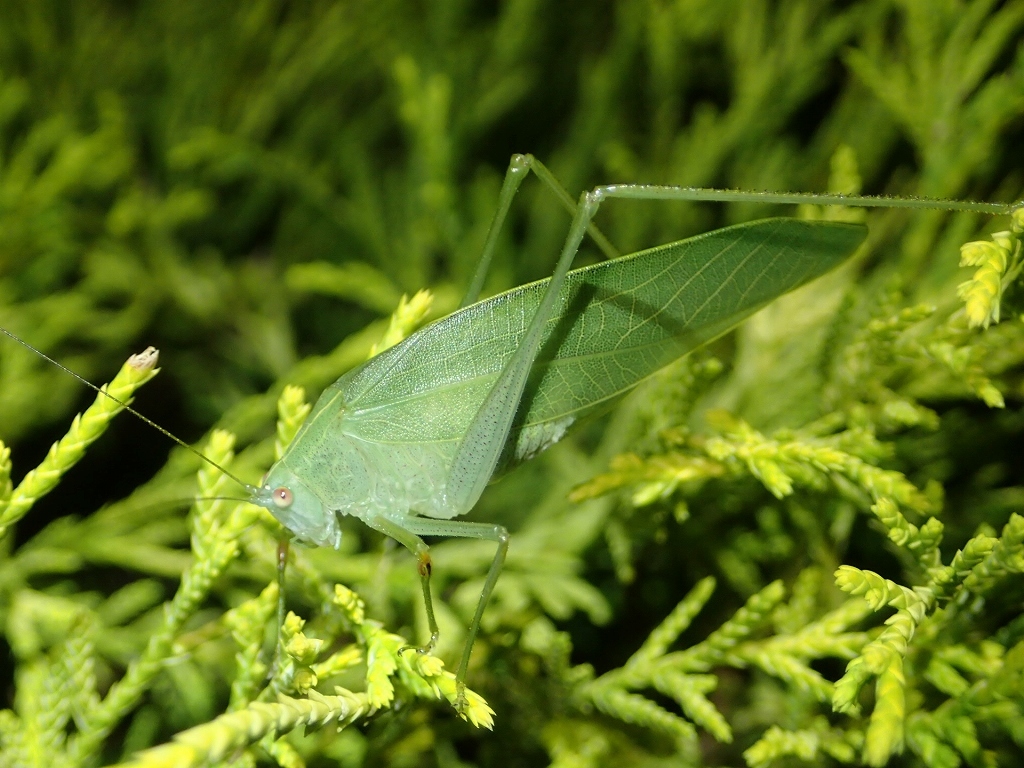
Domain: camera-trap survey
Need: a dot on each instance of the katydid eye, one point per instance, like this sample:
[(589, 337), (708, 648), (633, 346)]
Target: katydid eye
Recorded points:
[(282, 497)]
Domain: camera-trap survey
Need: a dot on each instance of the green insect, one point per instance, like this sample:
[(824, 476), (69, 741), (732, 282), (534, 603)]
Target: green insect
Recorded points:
[(408, 441)]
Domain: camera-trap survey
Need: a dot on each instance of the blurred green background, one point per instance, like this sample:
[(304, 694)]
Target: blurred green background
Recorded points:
[(249, 185)]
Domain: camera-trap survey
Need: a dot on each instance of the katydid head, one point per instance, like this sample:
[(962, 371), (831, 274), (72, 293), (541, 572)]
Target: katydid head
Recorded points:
[(297, 508)]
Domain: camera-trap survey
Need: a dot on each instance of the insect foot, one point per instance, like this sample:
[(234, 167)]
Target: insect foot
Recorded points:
[(422, 649)]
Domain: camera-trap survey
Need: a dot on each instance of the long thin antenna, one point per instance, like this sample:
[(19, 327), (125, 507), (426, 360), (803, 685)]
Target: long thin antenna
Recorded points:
[(249, 488)]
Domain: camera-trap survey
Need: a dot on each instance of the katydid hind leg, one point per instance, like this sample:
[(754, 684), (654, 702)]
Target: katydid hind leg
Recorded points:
[(480, 448)]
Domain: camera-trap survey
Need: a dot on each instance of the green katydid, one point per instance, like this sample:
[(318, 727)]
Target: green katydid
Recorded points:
[(408, 441)]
